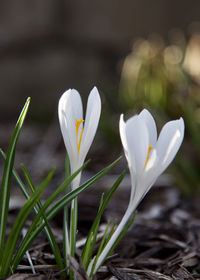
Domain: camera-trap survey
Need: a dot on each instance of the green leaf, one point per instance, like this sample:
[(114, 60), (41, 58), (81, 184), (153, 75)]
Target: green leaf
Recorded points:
[(110, 234), (6, 180), (52, 212), (36, 227), (101, 246), (95, 225), (130, 222), (91, 239), (47, 228), (17, 178), (18, 225)]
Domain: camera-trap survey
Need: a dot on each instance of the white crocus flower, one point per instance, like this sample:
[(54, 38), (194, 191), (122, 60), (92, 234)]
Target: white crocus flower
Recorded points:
[(78, 133), (147, 158)]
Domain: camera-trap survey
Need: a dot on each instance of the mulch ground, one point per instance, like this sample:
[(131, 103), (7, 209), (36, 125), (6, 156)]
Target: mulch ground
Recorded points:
[(163, 243)]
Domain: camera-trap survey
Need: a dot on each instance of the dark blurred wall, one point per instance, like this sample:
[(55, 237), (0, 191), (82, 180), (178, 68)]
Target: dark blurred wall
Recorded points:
[(47, 46)]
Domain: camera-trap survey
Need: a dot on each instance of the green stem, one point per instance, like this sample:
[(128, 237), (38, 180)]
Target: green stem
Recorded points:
[(66, 241), (74, 221), (73, 230)]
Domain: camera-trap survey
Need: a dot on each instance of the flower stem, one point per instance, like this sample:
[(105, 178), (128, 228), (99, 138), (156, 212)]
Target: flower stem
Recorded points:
[(74, 221), (73, 229), (66, 241), (66, 244), (109, 247), (73, 226)]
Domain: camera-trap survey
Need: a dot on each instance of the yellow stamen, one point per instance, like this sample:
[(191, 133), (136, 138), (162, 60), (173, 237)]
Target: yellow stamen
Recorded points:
[(147, 158), (78, 123)]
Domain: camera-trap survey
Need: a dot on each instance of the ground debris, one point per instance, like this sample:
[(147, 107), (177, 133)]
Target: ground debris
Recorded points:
[(121, 275), (78, 269), (182, 273), (163, 244), (160, 248), (26, 276)]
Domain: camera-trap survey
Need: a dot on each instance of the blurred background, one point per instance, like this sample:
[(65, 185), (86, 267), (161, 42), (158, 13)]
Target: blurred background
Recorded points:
[(138, 53)]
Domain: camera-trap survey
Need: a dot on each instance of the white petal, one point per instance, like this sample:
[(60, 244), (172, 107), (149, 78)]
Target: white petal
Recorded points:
[(70, 109), (76, 105), (122, 131), (143, 183), (167, 146), (165, 150), (137, 143), (63, 103), (151, 126), (140, 192), (131, 163), (93, 112), (169, 142)]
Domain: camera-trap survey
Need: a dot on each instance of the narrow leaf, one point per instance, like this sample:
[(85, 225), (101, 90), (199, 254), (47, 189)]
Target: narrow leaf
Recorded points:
[(18, 225), (91, 240), (34, 231), (96, 222), (47, 228), (6, 180)]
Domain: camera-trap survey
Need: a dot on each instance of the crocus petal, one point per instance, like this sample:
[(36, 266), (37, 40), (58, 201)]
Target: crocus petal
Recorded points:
[(93, 112), (75, 105), (145, 182), (141, 183), (167, 146), (137, 135), (73, 112), (137, 142), (64, 124), (169, 142), (122, 131), (70, 109), (146, 116)]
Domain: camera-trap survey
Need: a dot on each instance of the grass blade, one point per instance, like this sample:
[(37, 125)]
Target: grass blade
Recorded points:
[(96, 222), (18, 225), (6, 180), (91, 240), (36, 227), (130, 222), (101, 246), (110, 233), (17, 178), (52, 212), (95, 267), (47, 228)]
